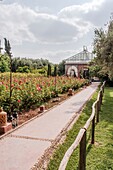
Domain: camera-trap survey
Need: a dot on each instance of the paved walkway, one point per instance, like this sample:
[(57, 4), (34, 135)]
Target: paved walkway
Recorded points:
[(21, 149)]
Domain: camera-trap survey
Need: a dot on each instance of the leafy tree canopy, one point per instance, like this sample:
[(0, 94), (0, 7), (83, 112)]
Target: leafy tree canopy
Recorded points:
[(4, 63), (103, 48), (61, 68)]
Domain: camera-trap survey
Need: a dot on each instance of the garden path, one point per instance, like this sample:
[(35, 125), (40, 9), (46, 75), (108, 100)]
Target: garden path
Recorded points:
[(21, 149)]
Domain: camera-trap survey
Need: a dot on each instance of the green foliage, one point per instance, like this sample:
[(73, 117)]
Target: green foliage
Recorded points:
[(103, 48), (7, 47), (55, 70), (42, 71), (49, 70), (4, 63), (41, 66), (32, 64), (100, 155), (31, 89), (94, 70), (61, 68), (24, 69), (20, 64)]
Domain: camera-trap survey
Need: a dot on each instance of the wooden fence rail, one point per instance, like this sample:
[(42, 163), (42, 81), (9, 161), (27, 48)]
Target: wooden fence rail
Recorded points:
[(81, 137)]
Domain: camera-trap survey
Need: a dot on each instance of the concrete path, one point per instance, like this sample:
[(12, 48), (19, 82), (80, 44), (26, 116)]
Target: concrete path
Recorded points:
[(21, 149)]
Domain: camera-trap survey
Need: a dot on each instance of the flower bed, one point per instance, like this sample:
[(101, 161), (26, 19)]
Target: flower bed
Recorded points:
[(30, 90)]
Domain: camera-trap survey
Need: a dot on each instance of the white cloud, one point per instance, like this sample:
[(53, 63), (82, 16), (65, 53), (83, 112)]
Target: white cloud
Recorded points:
[(24, 24), (94, 12), (78, 10), (64, 31), (14, 22), (49, 29), (43, 10)]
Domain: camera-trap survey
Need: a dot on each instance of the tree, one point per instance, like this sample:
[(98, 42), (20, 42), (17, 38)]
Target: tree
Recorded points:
[(32, 64), (103, 48), (8, 52), (4, 63), (55, 70), (61, 68), (24, 69), (49, 70)]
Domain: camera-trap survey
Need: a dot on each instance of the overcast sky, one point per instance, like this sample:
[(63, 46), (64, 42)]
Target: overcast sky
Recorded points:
[(51, 29)]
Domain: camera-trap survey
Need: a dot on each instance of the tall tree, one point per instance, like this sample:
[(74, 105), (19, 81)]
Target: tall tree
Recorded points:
[(103, 48), (49, 70), (55, 70), (8, 52), (61, 68)]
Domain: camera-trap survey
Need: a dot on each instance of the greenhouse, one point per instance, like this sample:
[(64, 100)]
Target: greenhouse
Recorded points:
[(78, 63)]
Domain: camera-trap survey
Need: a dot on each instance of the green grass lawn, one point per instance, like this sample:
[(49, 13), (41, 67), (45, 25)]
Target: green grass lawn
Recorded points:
[(99, 155)]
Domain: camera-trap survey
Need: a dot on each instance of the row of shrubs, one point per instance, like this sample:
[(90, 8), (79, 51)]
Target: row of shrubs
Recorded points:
[(30, 90)]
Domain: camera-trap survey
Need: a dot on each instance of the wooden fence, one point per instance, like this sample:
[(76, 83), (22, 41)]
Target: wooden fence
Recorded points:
[(81, 137)]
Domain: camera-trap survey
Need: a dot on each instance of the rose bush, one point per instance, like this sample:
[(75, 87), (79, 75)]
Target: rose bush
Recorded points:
[(30, 90)]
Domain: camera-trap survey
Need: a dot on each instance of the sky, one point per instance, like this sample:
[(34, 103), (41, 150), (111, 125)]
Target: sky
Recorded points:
[(51, 29)]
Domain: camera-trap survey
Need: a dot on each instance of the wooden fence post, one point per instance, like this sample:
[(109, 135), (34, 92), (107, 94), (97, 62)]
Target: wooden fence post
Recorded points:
[(97, 112), (82, 158), (99, 104), (100, 98), (93, 131)]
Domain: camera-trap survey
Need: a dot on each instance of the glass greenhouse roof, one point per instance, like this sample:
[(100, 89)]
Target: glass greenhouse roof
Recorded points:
[(82, 57)]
